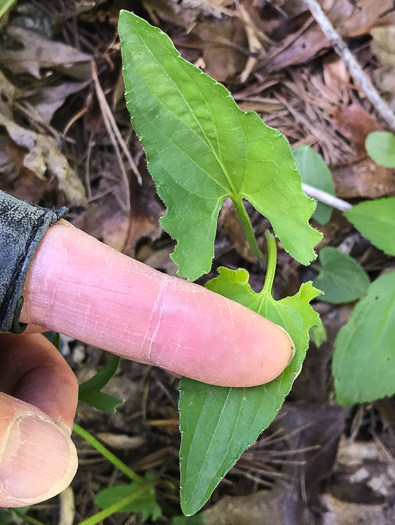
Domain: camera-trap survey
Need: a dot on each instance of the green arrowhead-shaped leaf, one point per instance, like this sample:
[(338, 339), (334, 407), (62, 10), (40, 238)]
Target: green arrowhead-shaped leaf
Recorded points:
[(218, 423), (380, 146), (376, 221), (202, 148), (363, 364), (341, 278), (90, 391), (315, 172)]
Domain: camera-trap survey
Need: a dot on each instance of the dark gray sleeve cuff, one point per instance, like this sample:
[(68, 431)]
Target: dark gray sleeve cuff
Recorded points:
[(22, 227)]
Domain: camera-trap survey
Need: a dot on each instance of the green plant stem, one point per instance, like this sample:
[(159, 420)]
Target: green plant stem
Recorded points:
[(271, 265), (29, 519), (106, 453), (116, 507), (248, 230)]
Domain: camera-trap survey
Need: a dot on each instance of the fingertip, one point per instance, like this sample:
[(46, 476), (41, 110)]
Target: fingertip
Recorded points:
[(38, 458), (217, 341)]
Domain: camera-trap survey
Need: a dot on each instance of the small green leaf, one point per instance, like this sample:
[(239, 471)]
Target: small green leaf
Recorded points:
[(341, 278), (318, 334), (376, 221), (198, 519), (363, 364), (315, 172), (202, 148), (5, 517), (380, 146), (56, 341), (145, 504), (90, 391), (218, 423)]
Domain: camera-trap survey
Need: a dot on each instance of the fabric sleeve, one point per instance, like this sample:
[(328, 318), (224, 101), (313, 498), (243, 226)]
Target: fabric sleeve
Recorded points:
[(22, 227)]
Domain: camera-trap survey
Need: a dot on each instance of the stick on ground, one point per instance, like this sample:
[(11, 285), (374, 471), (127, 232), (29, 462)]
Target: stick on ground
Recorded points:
[(354, 68)]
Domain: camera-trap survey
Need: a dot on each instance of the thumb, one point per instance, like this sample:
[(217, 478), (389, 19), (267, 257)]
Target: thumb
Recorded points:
[(37, 458)]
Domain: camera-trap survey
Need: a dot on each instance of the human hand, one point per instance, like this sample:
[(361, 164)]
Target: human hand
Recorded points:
[(82, 288)]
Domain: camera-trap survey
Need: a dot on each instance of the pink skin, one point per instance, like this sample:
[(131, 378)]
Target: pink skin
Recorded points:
[(82, 288), (37, 458), (38, 375)]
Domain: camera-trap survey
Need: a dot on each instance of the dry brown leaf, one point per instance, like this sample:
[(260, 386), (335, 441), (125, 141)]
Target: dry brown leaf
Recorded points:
[(38, 53), (364, 179), (115, 230), (158, 258), (355, 124), (363, 473), (384, 44), (254, 44), (222, 59), (385, 78), (26, 185), (5, 163), (338, 512), (353, 19), (8, 94), (350, 20), (301, 50), (386, 407), (106, 220), (334, 231), (48, 99), (45, 160), (336, 78), (186, 12)]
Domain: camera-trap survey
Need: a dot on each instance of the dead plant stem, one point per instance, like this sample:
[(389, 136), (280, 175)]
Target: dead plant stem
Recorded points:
[(325, 197), (353, 66), (115, 136)]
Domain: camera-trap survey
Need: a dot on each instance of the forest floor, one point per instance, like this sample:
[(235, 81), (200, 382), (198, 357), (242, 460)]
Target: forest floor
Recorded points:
[(62, 104)]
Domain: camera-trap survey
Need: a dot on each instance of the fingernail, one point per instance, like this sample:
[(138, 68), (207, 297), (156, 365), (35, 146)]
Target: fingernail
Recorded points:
[(292, 354), (292, 345), (38, 462)]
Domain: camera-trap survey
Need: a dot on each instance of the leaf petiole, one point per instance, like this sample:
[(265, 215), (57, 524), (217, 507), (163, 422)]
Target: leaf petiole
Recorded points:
[(249, 231), (271, 266), (27, 519)]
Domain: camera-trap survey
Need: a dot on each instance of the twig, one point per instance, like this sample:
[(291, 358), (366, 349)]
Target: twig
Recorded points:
[(326, 198), (87, 166), (109, 118), (354, 68)]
